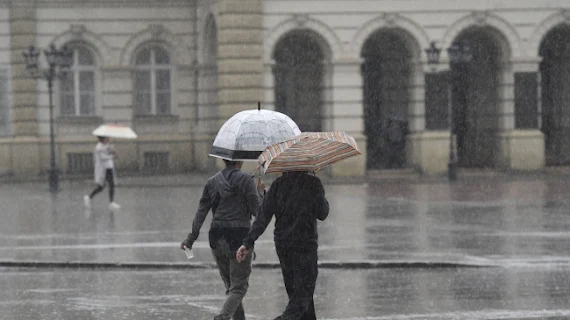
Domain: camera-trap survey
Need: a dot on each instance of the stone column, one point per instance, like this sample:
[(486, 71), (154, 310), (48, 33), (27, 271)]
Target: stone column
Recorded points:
[(428, 141), (345, 111), (24, 94), (208, 119), (520, 144), (240, 57), (269, 84)]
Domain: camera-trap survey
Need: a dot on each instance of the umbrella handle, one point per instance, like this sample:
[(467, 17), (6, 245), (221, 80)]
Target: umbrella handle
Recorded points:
[(257, 169)]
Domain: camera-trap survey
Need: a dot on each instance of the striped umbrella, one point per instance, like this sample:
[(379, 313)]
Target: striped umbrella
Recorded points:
[(310, 151)]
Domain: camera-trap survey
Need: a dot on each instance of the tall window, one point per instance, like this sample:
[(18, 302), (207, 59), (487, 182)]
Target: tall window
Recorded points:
[(152, 82), (77, 87)]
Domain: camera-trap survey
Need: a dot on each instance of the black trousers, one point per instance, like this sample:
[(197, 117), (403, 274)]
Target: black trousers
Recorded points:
[(300, 271), (110, 178), (395, 156)]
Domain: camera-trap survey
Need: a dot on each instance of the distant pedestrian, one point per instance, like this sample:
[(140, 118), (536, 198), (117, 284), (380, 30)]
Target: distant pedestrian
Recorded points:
[(396, 138), (103, 160), (234, 198), (297, 200)]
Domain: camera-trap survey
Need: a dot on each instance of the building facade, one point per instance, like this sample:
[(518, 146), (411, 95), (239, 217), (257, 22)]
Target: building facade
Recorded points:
[(175, 70)]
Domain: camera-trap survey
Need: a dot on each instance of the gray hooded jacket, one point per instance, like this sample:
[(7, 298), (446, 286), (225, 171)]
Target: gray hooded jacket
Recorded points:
[(233, 197)]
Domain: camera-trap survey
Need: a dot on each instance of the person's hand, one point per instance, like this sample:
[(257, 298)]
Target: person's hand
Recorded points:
[(241, 253), (186, 243), (260, 185)]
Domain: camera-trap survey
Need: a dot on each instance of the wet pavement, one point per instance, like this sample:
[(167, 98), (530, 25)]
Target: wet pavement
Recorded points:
[(518, 227), (380, 294), (482, 222)]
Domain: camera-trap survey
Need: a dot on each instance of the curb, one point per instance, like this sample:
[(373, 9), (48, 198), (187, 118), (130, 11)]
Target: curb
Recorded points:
[(348, 265)]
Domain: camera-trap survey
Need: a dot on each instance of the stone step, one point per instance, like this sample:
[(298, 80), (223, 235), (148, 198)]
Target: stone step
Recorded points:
[(480, 172)]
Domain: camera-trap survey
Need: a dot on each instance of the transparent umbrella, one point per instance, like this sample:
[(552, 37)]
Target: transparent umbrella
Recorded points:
[(245, 135)]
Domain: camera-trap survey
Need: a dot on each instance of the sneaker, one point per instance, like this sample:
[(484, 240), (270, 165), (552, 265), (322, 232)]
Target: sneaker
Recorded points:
[(87, 201), (114, 206)]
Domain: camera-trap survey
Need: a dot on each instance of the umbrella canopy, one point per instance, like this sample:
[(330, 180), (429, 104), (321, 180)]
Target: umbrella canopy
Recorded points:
[(245, 135), (115, 131), (311, 151)]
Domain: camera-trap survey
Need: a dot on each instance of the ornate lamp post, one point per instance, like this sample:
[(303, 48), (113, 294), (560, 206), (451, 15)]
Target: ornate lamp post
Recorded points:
[(57, 60), (459, 53)]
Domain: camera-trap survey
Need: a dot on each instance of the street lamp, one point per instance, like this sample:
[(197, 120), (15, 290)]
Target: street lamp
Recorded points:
[(459, 53), (57, 60)]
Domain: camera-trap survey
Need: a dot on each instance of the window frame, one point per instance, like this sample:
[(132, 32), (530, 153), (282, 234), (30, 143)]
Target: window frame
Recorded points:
[(153, 68), (76, 70)]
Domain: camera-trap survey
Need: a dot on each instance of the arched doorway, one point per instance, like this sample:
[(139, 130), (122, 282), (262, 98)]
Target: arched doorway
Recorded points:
[(555, 74), (476, 97), (299, 74), (387, 80)]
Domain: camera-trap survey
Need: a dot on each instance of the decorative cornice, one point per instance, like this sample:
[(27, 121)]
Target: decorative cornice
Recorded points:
[(97, 3), (301, 19), (390, 18), (154, 33), (480, 17), (156, 30), (77, 30)]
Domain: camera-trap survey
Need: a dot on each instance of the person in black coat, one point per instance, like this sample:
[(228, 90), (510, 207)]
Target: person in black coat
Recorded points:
[(297, 200)]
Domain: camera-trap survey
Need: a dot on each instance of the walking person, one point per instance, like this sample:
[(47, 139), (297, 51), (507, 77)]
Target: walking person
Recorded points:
[(234, 198), (103, 160), (297, 200), (396, 144)]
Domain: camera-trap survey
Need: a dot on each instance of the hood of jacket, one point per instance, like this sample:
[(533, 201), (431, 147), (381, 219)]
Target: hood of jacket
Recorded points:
[(227, 182)]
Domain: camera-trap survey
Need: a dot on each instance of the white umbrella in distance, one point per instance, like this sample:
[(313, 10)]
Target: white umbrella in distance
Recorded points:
[(115, 131), (245, 135)]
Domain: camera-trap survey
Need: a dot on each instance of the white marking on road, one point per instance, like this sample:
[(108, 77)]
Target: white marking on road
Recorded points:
[(198, 244), (468, 315), (87, 235)]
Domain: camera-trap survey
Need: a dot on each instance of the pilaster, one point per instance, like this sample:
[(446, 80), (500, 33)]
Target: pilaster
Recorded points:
[(240, 56), (24, 93), (24, 90), (520, 143), (344, 111)]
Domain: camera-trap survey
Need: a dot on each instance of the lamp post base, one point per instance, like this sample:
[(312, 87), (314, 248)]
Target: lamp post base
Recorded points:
[(53, 180), (452, 171)]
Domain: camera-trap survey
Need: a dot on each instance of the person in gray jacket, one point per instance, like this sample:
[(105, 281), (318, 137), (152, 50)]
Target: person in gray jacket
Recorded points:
[(234, 198)]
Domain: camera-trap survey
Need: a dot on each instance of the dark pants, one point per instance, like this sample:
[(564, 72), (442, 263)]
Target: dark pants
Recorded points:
[(300, 271), (395, 156), (236, 279), (110, 178)]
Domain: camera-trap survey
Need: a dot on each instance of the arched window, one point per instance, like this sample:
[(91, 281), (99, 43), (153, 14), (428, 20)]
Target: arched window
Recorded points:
[(77, 86), (152, 80)]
